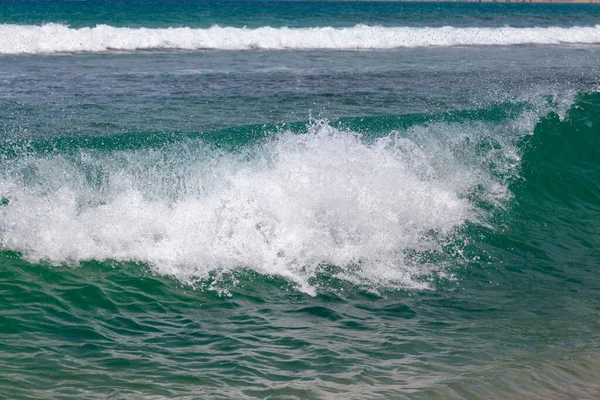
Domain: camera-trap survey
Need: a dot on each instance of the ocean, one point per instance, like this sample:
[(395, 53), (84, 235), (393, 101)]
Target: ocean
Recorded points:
[(299, 200)]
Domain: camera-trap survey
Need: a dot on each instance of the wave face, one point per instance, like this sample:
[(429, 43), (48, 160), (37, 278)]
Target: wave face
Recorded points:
[(57, 38)]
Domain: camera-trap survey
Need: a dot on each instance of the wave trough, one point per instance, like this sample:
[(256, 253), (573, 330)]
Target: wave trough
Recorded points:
[(57, 38)]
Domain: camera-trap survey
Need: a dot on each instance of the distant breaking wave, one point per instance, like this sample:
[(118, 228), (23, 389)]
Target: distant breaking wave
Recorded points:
[(56, 38)]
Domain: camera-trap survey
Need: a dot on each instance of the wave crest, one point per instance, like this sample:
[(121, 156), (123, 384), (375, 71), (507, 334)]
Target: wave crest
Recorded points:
[(285, 207)]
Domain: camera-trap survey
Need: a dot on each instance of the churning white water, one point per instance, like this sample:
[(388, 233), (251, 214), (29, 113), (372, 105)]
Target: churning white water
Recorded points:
[(53, 38), (283, 207)]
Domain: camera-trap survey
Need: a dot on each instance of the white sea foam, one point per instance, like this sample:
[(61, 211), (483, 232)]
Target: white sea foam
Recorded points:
[(53, 38), (283, 208)]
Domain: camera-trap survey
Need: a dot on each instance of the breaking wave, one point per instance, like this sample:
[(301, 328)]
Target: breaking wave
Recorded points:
[(378, 209), (56, 38)]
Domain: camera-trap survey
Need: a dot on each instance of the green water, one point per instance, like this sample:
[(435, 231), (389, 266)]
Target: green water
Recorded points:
[(269, 212)]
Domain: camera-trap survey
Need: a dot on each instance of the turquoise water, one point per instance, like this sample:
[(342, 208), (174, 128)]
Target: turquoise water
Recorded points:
[(187, 13), (340, 200)]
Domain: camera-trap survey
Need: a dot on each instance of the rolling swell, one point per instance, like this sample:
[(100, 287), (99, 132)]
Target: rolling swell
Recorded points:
[(379, 202), (57, 38)]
